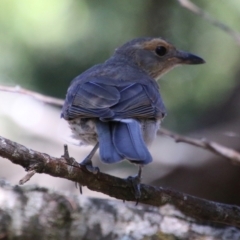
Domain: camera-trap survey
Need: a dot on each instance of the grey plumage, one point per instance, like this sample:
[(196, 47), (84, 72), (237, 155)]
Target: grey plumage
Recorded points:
[(118, 103), (128, 141)]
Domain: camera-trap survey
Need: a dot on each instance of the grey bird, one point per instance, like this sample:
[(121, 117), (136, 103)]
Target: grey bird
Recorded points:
[(116, 106)]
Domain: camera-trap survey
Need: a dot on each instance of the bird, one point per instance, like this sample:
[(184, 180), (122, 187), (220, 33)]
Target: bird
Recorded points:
[(116, 106)]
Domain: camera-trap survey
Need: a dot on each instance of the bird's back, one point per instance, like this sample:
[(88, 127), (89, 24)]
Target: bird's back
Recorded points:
[(113, 89)]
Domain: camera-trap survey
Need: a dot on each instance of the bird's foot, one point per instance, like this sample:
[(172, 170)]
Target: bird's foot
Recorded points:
[(78, 185), (136, 183), (87, 164)]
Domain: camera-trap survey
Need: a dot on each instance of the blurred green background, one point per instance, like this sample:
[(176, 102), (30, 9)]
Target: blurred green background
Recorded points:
[(45, 44)]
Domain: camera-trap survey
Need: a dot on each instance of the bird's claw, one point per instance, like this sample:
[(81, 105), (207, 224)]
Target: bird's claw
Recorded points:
[(136, 183), (90, 168), (78, 185), (87, 164)]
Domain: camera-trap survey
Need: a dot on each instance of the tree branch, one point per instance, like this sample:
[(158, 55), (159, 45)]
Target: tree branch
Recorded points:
[(117, 187), (198, 11), (214, 147), (40, 97), (67, 216)]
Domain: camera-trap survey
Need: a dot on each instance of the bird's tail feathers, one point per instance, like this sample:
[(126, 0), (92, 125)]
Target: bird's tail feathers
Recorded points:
[(128, 141), (107, 151)]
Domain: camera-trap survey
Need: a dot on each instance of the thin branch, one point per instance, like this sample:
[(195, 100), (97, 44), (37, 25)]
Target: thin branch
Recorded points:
[(198, 11), (117, 187), (223, 151), (27, 177), (45, 99), (214, 147)]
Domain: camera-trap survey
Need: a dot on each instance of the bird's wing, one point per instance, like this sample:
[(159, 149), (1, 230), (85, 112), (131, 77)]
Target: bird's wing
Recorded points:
[(90, 99), (139, 100), (107, 98)]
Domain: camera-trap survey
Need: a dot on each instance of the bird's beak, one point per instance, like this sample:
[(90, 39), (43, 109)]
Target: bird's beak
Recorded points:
[(188, 58)]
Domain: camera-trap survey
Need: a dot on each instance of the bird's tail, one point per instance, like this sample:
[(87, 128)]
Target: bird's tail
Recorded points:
[(107, 151), (122, 139)]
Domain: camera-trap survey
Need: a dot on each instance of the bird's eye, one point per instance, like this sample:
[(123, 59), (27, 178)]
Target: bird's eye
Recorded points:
[(160, 50)]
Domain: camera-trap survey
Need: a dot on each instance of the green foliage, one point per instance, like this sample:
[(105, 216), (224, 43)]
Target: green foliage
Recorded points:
[(44, 44)]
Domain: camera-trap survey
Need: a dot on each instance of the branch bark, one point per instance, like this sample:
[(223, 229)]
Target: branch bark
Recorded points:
[(116, 187), (47, 214)]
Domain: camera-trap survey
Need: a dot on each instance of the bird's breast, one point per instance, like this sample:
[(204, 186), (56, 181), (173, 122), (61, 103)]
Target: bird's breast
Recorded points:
[(149, 129), (84, 129)]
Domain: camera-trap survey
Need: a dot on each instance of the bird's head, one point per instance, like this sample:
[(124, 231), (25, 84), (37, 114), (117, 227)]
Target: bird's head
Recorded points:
[(156, 56)]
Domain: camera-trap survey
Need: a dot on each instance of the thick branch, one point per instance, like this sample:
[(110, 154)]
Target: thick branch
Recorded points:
[(67, 216), (118, 188)]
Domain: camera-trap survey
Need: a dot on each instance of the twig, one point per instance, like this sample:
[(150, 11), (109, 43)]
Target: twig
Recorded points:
[(45, 99), (117, 187), (27, 177), (217, 148), (198, 11)]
